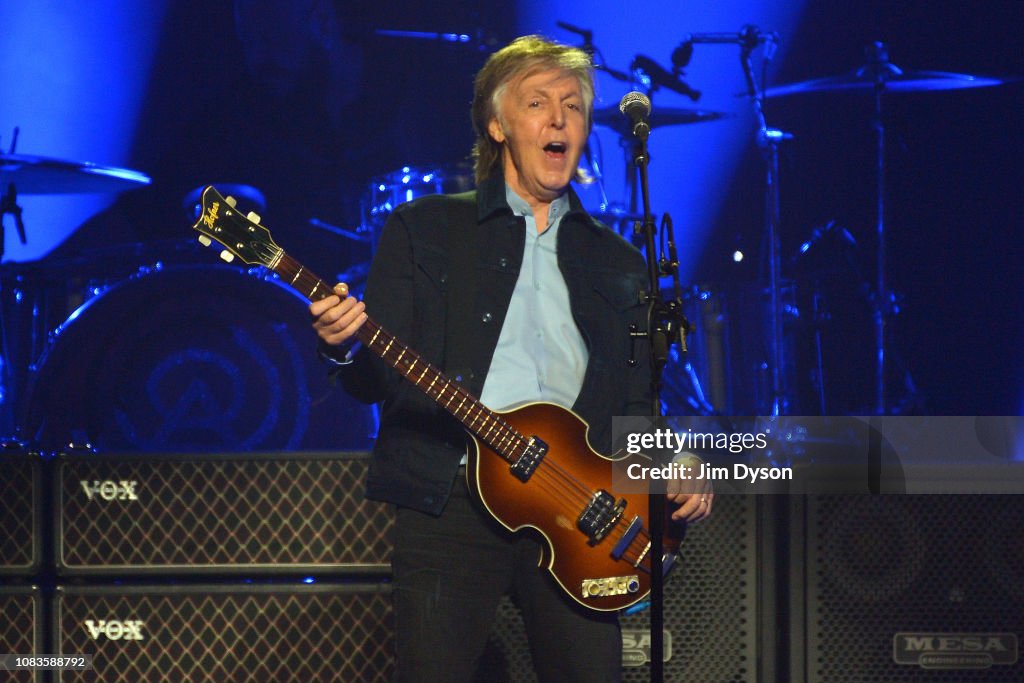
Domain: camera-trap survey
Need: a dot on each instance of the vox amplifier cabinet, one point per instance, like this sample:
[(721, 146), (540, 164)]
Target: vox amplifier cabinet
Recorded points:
[(218, 514), (21, 628), (20, 513), (218, 633), (913, 588)]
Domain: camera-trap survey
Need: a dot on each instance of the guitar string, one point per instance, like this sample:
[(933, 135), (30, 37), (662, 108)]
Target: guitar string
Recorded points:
[(559, 477), (493, 430), (489, 427), (556, 479)]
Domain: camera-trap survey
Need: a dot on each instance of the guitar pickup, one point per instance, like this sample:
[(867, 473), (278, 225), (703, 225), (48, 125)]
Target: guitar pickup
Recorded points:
[(600, 516), (524, 467)]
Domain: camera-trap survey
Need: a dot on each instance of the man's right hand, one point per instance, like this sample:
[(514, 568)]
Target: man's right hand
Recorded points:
[(336, 318)]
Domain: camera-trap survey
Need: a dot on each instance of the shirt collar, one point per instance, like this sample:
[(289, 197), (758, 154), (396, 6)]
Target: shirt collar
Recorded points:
[(521, 207), (490, 199)]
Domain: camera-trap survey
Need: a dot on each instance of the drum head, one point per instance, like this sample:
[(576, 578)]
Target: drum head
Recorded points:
[(193, 358)]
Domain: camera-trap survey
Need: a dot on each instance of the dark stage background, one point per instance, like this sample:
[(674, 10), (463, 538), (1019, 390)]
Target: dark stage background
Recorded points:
[(954, 201), (309, 106), (309, 103)]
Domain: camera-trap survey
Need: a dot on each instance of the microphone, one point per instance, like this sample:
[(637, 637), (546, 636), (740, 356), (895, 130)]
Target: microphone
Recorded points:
[(659, 76), (637, 107)]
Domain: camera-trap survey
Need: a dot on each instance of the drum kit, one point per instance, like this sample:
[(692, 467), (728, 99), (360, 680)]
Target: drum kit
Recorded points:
[(38, 356)]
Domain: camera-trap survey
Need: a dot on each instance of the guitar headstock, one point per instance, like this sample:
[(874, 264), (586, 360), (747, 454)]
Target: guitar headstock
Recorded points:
[(241, 236)]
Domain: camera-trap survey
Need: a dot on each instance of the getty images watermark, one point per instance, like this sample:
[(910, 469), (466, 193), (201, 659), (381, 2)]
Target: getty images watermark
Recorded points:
[(821, 455), (686, 466)]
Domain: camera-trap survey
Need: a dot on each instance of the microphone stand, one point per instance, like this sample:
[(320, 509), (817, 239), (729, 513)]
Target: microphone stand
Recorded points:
[(665, 326)]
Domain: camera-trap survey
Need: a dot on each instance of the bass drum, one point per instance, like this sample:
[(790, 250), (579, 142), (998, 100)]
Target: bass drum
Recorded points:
[(191, 358)]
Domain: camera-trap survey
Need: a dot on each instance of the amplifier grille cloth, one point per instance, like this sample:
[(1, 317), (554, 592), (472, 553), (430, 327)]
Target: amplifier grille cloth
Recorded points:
[(17, 514), (17, 630), (883, 565), (222, 513), (286, 635)]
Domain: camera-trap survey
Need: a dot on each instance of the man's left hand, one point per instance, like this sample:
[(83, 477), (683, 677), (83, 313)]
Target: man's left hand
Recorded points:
[(694, 497)]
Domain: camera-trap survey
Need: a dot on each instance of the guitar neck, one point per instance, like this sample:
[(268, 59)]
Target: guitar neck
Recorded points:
[(474, 416)]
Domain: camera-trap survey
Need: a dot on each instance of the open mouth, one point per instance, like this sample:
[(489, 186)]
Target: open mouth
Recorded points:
[(555, 148)]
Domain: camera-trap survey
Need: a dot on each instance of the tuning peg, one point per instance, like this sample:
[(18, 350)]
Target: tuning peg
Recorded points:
[(227, 256), (253, 216), (205, 241), (231, 201)]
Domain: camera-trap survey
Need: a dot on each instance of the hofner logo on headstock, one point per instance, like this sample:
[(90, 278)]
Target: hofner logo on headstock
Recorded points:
[(955, 650), (211, 216)]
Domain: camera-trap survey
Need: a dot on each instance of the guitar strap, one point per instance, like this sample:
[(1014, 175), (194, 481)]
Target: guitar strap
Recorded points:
[(463, 258)]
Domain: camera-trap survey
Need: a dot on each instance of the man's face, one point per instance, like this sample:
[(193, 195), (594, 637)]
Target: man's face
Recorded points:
[(544, 133)]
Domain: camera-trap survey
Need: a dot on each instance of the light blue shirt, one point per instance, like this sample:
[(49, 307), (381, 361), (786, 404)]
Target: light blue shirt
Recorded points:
[(540, 355)]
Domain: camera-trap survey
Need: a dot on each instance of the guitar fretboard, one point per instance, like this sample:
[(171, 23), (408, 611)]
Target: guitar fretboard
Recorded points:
[(475, 416)]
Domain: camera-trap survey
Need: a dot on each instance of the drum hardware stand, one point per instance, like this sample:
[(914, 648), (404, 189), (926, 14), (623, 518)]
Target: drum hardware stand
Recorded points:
[(879, 68), (768, 140), (838, 237), (588, 46), (598, 176), (748, 38), (819, 315), (9, 203), (365, 236), (879, 75)]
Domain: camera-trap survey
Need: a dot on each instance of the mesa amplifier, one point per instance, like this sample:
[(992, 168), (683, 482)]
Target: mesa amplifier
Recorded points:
[(20, 517), (21, 628), (216, 633), (912, 588), (225, 514)]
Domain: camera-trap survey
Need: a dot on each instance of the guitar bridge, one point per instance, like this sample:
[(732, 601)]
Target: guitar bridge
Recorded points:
[(524, 467), (600, 516)]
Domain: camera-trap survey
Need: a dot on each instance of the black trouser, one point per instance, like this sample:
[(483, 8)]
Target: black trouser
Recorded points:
[(450, 573)]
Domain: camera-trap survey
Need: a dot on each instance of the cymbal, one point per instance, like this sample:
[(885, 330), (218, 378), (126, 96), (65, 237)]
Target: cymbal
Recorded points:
[(40, 175), (878, 72), (899, 81), (611, 117)]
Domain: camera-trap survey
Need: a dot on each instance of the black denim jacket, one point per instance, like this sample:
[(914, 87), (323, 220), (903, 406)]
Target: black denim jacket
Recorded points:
[(419, 447)]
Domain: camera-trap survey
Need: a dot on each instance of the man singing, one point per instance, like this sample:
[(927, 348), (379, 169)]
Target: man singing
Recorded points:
[(520, 296)]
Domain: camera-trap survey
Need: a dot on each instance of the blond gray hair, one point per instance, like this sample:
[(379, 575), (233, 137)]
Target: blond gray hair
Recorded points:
[(521, 58)]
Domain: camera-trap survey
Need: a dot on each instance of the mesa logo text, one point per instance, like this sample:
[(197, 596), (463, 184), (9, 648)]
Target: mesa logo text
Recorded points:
[(955, 650), (636, 646)]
